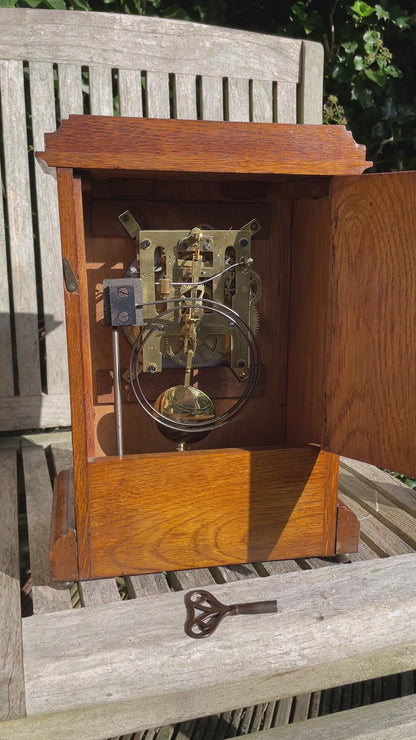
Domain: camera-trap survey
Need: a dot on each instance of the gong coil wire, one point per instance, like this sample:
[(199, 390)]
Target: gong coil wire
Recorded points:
[(154, 325)]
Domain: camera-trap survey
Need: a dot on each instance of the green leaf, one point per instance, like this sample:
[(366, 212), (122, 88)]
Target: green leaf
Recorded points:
[(382, 13), (7, 3), (55, 4), (362, 9), (377, 76), (358, 63), (350, 46)]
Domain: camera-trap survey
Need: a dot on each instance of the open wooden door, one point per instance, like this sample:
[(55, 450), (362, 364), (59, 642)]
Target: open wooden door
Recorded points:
[(369, 402)]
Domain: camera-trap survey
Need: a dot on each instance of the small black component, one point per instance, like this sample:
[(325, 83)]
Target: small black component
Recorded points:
[(122, 302)]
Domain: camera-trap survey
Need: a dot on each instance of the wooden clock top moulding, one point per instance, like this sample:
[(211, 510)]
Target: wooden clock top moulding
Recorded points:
[(169, 146)]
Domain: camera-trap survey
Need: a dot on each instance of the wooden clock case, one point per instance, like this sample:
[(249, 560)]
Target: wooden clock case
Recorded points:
[(335, 255)]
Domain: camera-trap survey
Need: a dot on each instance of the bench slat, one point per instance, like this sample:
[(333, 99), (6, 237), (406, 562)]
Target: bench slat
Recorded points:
[(375, 606), (238, 99), (263, 101), (157, 94), (6, 362), (12, 702), (286, 102), (212, 99), (130, 92), (19, 208), (377, 503), (162, 45), (101, 91), (185, 89), (39, 508), (44, 120), (390, 720), (70, 89)]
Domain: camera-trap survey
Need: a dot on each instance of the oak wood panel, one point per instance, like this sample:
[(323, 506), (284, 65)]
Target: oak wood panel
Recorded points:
[(308, 317), (72, 240), (237, 506), (63, 537), (370, 379), (12, 699), (162, 146), (363, 601)]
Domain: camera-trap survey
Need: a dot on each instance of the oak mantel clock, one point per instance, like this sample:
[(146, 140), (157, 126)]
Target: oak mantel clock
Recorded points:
[(240, 304)]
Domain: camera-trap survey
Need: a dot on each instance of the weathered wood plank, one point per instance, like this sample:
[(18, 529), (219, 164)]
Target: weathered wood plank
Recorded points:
[(376, 503), (212, 98), (316, 610), (311, 83), (238, 102), (39, 508), (101, 91), (70, 89), (286, 102), (102, 591), (389, 720), (397, 492), (34, 412), (263, 101), (375, 533), (185, 96), (12, 703), (19, 209), (42, 96), (123, 41), (149, 584), (6, 363), (157, 94), (130, 92)]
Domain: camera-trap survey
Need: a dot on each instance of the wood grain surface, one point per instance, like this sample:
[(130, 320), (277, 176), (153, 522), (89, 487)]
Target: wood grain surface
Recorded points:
[(76, 303), (370, 377), (12, 698), (158, 145), (143, 652), (211, 507)]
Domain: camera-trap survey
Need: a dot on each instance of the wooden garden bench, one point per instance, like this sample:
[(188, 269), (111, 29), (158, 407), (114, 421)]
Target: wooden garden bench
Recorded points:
[(122, 662)]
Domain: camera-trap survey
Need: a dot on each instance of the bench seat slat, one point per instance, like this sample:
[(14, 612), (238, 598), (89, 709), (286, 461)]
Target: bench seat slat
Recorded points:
[(39, 507), (375, 607), (389, 720), (12, 702)]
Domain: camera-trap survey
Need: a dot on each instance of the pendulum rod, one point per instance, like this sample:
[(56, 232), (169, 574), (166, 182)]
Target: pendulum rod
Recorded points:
[(117, 392)]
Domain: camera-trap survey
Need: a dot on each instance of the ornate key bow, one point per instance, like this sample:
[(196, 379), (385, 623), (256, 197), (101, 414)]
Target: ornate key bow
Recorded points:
[(204, 612)]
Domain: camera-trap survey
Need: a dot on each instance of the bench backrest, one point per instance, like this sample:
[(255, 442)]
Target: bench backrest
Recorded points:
[(53, 63)]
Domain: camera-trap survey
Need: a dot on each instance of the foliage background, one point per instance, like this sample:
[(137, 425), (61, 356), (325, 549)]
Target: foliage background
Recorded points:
[(370, 81)]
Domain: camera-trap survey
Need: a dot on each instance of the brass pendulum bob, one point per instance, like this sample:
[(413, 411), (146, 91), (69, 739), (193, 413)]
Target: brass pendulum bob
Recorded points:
[(185, 405)]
